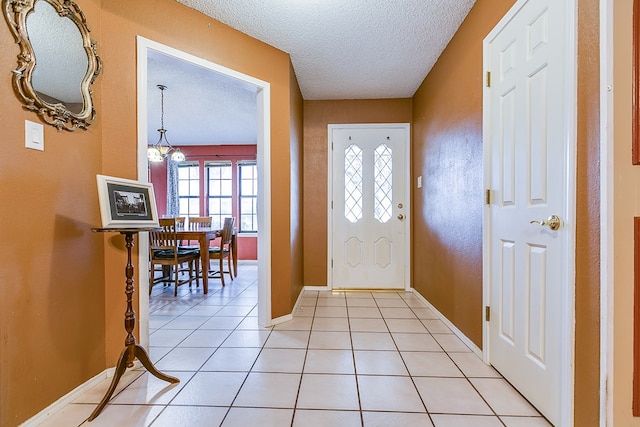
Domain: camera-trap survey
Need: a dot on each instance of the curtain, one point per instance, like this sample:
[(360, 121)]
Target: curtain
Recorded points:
[(173, 202)]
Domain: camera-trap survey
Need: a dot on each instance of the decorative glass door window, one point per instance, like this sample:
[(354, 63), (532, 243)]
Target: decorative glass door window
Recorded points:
[(383, 183), (353, 183)]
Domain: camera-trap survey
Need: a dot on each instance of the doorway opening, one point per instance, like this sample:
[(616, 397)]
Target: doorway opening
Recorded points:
[(263, 143)]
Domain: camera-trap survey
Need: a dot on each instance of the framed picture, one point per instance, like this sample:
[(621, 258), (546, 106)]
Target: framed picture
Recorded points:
[(125, 203)]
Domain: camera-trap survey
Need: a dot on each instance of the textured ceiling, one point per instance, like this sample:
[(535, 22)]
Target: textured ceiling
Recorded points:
[(340, 49), (201, 107), (349, 49)]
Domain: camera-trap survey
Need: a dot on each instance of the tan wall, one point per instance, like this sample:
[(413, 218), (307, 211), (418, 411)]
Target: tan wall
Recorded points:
[(626, 205), (63, 285), (447, 212), (317, 116)]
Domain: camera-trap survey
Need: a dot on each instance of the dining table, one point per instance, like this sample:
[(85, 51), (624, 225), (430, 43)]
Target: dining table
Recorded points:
[(204, 235)]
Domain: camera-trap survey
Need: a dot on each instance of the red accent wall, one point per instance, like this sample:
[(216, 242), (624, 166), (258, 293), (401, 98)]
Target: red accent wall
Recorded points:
[(247, 245)]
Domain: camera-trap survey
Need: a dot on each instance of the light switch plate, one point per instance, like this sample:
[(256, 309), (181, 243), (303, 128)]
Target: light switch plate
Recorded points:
[(33, 135), (420, 181)]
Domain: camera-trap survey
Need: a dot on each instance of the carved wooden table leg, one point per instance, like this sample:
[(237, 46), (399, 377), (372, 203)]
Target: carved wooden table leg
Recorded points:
[(132, 350)]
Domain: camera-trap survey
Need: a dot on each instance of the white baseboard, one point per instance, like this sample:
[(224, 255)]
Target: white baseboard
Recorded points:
[(41, 416), (457, 332), (316, 288)]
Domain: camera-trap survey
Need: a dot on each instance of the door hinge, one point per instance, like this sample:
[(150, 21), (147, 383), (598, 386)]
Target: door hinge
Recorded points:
[(488, 78), (487, 198), (487, 313)]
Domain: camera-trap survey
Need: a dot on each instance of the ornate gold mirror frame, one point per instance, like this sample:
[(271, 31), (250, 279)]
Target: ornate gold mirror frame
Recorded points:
[(63, 62)]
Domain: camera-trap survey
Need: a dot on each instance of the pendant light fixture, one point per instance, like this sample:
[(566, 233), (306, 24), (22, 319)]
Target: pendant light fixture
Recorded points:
[(161, 149)]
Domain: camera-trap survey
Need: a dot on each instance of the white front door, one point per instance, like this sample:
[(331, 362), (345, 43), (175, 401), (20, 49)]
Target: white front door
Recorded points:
[(530, 253), (369, 206)]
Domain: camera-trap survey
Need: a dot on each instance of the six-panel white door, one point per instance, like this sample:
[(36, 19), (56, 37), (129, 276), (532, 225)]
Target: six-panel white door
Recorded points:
[(528, 166), (369, 207)]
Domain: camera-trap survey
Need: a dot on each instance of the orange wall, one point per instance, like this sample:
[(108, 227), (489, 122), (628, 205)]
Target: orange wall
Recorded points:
[(52, 312), (317, 116), (587, 364), (447, 211), (447, 152), (63, 286)]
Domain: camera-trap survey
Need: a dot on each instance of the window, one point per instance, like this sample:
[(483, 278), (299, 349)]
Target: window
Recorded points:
[(189, 189), (248, 176), (220, 188)]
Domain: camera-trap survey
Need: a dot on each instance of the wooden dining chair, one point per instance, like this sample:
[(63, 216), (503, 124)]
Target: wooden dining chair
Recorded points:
[(223, 251), (164, 251), (195, 223)]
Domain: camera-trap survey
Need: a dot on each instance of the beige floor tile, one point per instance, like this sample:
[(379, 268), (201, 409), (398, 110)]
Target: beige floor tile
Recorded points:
[(472, 366), (125, 415), (330, 311), (329, 362), (436, 326), (320, 391), (391, 302), (203, 310), (365, 312), (502, 397), (525, 422), (210, 389), (245, 417), (361, 302), (375, 392), (397, 313), (269, 390), (399, 419), (379, 363), (446, 420), (330, 323), (192, 416), (296, 324), (246, 338), (430, 364), (451, 343), (280, 360), (149, 390), (232, 359), (251, 323), (288, 339), (70, 415), (220, 322), (331, 302), (186, 322), (324, 418), (415, 342), (372, 341), (451, 396), (95, 394), (168, 337), (185, 359), (203, 338), (413, 326), (330, 340), (368, 325)]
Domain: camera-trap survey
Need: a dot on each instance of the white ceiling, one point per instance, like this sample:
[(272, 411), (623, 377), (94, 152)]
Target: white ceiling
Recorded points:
[(340, 49)]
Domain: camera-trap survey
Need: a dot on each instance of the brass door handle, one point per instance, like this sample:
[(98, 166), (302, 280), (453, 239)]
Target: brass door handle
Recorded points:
[(400, 217), (553, 222)]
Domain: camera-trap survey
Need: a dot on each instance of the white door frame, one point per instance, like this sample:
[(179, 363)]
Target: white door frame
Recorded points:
[(407, 197), (607, 180), (569, 216), (264, 177)]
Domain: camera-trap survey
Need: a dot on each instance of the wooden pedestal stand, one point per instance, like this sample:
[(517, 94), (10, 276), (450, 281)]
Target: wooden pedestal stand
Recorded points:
[(132, 350)]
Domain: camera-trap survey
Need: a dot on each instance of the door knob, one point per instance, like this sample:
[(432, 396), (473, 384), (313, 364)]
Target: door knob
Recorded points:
[(553, 222), (400, 217)]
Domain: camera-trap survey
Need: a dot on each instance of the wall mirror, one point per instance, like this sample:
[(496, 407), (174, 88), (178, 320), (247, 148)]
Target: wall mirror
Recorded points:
[(57, 61)]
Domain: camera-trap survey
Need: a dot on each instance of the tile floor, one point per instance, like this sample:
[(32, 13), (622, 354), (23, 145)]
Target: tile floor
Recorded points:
[(346, 359)]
